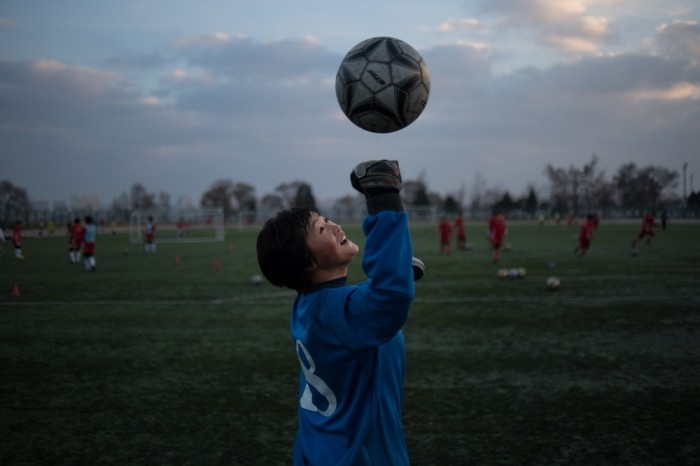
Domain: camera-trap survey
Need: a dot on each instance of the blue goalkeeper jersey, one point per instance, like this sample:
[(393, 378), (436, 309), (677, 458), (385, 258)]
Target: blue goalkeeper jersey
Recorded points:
[(350, 346)]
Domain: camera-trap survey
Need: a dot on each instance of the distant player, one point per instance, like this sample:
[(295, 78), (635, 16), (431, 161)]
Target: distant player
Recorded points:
[(648, 224), (460, 233), (150, 236), (445, 234), (89, 239), (496, 232), (585, 235), (75, 241), (17, 240)]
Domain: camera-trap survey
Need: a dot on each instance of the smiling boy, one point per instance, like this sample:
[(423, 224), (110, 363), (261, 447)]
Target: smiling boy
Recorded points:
[(348, 338)]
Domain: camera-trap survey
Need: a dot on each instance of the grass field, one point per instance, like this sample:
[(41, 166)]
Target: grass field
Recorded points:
[(168, 359)]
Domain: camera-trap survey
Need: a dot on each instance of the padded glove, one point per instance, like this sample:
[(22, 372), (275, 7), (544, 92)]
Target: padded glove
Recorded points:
[(376, 177)]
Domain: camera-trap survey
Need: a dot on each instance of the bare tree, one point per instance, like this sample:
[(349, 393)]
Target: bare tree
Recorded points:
[(14, 201), (244, 194), (13, 197), (141, 198), (220, 194), (643, 187), (576, 188), (346, 207), (121, 207), (272, 202), (304, 196), (164, 200), (287, 191)]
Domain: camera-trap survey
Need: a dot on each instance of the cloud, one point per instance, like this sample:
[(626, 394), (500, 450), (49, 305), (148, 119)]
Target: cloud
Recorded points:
[(678, 39), (4, 22), (265, 113), (452, 25), (566, 26)]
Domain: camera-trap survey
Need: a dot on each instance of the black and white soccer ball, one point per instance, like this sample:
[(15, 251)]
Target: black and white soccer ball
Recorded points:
[(382, 84), (553, 283)]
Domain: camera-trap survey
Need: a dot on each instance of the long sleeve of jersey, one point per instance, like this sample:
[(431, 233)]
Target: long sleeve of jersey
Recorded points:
[(351, 350)]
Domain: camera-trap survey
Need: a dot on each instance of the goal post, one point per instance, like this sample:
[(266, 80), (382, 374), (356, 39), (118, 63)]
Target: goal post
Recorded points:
[(179, 226)]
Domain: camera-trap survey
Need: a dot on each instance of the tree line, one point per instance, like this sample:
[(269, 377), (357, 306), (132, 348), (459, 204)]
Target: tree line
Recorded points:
[(571, 190)]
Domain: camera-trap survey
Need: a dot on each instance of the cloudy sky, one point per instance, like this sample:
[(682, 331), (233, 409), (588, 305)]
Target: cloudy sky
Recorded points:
[(98, 95)]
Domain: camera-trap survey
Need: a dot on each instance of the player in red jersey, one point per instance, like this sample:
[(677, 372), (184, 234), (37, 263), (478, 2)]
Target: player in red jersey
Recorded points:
[(497, 231), (585, 235), (75, 241), (648, 224), (460, 233), (17, 240), (445, 232), (151, 236)]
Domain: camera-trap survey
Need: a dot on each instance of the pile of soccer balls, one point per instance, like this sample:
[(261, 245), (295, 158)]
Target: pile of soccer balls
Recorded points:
[(512, 273)]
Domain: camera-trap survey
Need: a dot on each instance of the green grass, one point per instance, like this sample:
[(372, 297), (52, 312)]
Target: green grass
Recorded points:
[(150, 361)]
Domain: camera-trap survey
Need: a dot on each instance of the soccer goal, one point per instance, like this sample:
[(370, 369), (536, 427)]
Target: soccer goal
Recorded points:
[(179, 226)]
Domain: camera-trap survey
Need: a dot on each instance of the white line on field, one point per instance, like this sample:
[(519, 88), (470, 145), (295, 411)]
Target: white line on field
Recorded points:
[(286, 298), (257, 299)]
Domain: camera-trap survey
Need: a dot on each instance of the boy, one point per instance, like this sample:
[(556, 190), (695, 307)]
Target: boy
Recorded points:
[(460, 233), (496, 232), (445, 233), (89, 238), (75, 240), (648, 224), (17, 239), (348, 338), (150, 236), (585, 235)]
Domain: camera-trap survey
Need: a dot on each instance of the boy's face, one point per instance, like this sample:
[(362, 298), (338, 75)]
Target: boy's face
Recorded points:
[(328, 242)]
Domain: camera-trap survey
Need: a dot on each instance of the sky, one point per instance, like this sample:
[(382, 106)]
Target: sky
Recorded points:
[(176, 95)]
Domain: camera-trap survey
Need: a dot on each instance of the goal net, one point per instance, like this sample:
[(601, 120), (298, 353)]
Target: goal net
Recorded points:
[(179, 226)]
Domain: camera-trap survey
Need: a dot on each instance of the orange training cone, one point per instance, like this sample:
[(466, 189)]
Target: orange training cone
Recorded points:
[(217, 265), (177, 259), (15, 290)]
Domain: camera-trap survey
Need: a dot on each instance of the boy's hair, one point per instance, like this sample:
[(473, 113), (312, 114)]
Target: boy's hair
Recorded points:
[(283, 252)]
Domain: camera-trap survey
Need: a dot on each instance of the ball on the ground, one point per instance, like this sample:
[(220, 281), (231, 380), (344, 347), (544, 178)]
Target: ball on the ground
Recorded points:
[(553, 283), (522, 272), (256, 280), (382, 84), (502, 274)]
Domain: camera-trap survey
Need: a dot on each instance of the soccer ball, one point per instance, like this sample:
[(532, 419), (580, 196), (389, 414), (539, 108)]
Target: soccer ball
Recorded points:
[(382, 84), (502, 274), (522, 272), (256, 280), (418, 269), (553, 283)]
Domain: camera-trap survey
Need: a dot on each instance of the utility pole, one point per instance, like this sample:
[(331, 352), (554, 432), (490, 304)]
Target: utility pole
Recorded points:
[(685, 194)]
